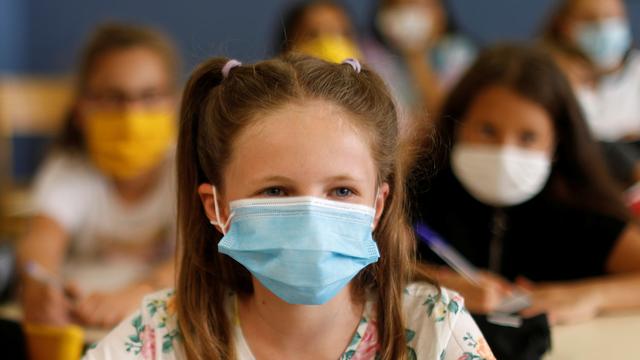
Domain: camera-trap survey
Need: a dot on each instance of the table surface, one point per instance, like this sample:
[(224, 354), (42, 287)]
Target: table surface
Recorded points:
[(610, 336)]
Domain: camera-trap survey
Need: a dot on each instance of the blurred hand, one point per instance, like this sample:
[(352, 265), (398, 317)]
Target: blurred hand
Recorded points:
[(47, 304), (483, 297), (563, 303), (107, 309)]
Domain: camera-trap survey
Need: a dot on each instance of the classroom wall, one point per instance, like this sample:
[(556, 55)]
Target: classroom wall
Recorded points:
[(39, 41), (43, 36), (12, 36)]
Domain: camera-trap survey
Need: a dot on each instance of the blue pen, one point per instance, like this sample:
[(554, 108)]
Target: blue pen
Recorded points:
[(518, 300), (38, 273), (450, 255)]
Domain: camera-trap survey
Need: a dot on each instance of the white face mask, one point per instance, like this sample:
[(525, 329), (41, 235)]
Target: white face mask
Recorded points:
[(605, 42), (500, 176), (407, 27)]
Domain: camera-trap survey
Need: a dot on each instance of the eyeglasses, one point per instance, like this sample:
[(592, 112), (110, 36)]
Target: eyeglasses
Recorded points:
[(119, 99)]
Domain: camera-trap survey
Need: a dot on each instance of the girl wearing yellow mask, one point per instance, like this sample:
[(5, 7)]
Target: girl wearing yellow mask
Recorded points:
[(105, 201), (319, 28)]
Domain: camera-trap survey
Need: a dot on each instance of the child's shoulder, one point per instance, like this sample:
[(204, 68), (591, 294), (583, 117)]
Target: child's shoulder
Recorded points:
[(149, 333), (437, 322), (432, 309), (417, 291), (155, 325), (439, 326), (164, 297), (159, 308)]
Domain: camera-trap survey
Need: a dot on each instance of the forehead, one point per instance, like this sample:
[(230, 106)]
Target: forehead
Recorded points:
[(596, 8), (324, 17), (129, 69), (505, 108), (312, 139), (413, 2)]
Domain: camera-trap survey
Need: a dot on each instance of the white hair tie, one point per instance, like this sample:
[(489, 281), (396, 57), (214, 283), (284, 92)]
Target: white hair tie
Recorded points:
[(228, 66), (355, 64)]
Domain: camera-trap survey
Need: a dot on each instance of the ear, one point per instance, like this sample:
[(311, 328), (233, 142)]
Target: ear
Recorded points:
[(383, 192), (206, 196)]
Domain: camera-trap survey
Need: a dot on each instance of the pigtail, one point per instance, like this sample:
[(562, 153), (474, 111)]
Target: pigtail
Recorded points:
[(197, 286)]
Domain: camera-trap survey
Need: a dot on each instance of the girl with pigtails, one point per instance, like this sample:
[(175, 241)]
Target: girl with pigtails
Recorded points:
[(293, 237)]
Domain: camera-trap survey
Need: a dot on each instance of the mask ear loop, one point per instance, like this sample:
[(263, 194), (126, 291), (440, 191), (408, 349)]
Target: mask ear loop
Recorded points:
[(223, 226), (375, 202)]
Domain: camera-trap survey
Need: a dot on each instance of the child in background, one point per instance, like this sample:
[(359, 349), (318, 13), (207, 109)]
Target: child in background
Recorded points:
[(419, 51), (592, 42), (309, 255), (320, 28), (105, 205), (524, 194)]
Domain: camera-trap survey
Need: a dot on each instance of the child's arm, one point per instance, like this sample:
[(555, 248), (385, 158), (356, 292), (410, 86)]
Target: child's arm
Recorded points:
[(480, 298), (426, 81), (571, 302), (45, 244), (109, 308)]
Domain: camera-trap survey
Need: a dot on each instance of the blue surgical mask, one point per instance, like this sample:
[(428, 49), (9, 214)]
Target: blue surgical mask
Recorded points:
[(605, 42), (303, 249)]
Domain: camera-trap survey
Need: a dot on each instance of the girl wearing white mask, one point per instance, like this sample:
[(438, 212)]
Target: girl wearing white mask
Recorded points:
[(523, 194), (293, 232), (418, 50), (104, 221), (592, 42)]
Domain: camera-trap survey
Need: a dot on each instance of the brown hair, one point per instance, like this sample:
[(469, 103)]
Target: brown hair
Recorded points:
[(579, 175), (214, 111), (106, 39), (552, 36)]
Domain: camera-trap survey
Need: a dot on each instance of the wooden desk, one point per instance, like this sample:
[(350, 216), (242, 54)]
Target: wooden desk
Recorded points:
[(608, 337), (12, 311), (90, 277)]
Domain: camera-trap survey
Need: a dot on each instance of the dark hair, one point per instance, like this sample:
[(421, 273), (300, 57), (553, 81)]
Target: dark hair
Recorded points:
[(214, 111), (551, 34), (579, 176), (292, 19), (108, 38)]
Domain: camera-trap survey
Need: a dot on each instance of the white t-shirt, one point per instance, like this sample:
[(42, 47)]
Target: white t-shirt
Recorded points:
[(612, 107), (103, 229), (437, 327)]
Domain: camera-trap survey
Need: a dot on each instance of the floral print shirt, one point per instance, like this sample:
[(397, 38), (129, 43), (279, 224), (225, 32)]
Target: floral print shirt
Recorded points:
[(438, 327)]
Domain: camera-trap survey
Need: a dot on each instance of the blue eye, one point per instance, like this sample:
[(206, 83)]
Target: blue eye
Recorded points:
[(273, 191), (342, 192)]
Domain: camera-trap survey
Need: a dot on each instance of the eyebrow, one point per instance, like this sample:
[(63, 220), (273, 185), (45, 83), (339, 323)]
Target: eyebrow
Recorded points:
[(284, 179), (343, 178)]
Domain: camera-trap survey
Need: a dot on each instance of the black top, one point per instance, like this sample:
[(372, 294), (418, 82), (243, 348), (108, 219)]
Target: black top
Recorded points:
[(540, 239)]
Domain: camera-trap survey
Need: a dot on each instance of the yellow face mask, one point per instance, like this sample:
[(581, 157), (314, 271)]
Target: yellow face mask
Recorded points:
[(126, 144), (332, 48)]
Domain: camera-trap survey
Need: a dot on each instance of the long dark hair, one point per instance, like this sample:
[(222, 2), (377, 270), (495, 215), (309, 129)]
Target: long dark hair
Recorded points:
[(579, 176)]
